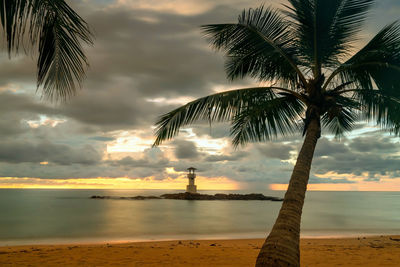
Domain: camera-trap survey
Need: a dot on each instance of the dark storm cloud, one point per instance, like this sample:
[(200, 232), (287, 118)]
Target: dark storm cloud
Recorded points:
[(236, 156), (16, 109), (217, 130), (375, 144), (202, 167), (276, 150), (185, 149), (130, 162), (373, 154), (316, 180), (102, 138), (13, 103), (151, 162), (357, 164), (330, 148), (18, 152), (166, 57), (137, 167), (109, 113), (152, 158), (20, 69), (11, 126)]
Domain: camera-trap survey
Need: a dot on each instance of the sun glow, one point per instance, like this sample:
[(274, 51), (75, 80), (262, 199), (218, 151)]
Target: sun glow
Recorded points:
[(170, 101), (182, 7), (203, 183), (383, 185), (127, 141), (44, 121), (205, 143)]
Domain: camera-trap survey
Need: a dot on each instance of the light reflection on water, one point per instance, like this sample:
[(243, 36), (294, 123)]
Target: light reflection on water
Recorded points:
[(40, 216)]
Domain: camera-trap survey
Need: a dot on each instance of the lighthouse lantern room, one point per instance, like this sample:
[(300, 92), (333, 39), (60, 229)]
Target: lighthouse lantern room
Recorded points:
[(191, 187)]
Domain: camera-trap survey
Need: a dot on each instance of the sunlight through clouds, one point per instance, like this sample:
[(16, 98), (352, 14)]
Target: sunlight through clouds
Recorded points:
[(127, 141), (182, 7), (383, 185), (44, 121), (186, 7), (205, 143), (170, 101)]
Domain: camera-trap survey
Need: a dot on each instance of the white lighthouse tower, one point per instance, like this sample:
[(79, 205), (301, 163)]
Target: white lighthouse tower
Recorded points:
[(191, 187)]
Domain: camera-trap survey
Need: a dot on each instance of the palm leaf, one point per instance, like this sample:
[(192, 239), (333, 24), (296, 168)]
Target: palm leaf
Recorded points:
[(259, 45), (381, 107), (260, 122), (375, 71), (58, 32), (218, 107), (341, 116), (13, 16), (325, 30), (378, 62)]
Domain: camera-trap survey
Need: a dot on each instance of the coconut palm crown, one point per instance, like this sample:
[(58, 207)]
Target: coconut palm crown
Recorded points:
[(57, 31), (305, 52)]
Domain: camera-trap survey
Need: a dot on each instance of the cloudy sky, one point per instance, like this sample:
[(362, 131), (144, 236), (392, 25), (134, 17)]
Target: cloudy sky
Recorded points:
[(150, 57)]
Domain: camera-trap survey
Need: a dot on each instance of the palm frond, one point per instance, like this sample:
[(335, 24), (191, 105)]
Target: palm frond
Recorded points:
[(378, 62), (325, 30), (58, 31), (381, 107), (375, 71), (13, 17), (259, 45), (341, 116), (260, 122), (217, 107)]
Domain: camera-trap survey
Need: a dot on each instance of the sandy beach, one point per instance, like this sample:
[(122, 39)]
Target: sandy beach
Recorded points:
[(362, 251)]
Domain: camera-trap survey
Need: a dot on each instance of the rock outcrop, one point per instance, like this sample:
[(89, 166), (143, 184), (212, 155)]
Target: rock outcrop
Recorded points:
[(190, 196), (131, 198)]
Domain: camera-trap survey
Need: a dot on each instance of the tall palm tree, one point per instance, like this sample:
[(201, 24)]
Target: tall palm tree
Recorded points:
[(305, 53), (57, 31)]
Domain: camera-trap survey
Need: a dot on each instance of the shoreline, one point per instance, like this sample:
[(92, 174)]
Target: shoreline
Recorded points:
[(188, 237), (348, 251)]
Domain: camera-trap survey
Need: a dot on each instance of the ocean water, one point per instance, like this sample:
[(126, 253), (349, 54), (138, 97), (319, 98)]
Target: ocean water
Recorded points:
[(37, 216)]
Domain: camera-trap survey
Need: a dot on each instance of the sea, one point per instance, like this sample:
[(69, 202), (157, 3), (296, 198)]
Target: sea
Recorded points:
[(42, 216)]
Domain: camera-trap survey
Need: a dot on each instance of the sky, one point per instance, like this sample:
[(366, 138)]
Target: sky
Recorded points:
[(150, 57)]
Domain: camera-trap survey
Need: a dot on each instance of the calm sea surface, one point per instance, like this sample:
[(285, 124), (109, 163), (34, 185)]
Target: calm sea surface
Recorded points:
[(34, 216)]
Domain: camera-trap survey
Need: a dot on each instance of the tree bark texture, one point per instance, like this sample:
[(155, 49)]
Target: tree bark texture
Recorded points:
[(282, 246)]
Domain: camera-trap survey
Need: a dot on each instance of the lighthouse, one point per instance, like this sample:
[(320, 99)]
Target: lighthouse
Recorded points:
[(191, 187)]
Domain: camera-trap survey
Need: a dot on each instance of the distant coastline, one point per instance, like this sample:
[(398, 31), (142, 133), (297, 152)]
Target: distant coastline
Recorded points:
[(197, 196)]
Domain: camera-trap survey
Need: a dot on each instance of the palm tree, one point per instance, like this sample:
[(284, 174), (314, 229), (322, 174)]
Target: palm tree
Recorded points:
[(57, 31), (304, 52)]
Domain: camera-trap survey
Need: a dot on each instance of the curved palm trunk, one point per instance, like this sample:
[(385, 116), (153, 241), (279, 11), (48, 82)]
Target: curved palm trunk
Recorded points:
[(281, 248)]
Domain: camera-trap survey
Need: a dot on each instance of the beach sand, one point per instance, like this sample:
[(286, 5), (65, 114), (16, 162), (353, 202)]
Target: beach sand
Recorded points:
[(363, 251)]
